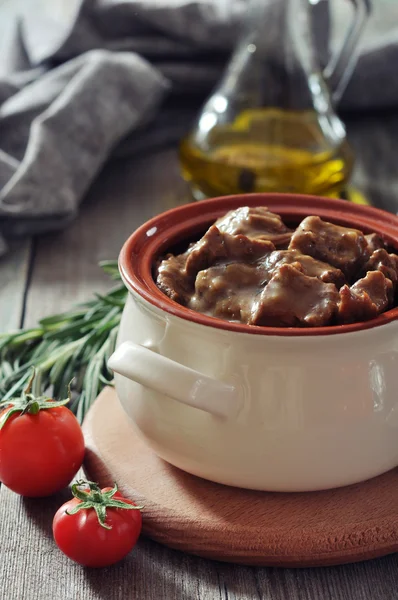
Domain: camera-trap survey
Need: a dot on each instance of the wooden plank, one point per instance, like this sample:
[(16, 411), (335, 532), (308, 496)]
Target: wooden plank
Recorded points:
[(14, 268), (372, 580), (31, 567), (150, 572), (153, 572), (65, 271)]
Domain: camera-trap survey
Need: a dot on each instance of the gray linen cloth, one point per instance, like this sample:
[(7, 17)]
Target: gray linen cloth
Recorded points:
[(83, 80)]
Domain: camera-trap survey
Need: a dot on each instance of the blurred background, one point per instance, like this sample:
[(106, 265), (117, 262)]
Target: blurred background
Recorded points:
[(238, 86)]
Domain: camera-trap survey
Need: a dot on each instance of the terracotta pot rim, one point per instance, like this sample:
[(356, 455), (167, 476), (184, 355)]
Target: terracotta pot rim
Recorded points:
[(154, 237)]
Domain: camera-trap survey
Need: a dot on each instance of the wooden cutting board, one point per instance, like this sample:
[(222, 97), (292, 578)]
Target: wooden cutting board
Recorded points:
[(230, 524)]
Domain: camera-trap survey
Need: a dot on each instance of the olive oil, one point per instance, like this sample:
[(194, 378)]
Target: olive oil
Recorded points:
[(267, 150)]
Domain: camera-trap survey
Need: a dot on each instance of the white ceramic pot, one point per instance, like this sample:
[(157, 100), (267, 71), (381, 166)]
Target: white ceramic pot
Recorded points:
[(256, 407)]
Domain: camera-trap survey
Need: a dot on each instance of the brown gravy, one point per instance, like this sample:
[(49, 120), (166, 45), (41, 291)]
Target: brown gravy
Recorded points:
[(251, 268)]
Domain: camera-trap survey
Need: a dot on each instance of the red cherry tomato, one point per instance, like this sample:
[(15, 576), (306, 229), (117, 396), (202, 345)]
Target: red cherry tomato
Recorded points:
[(82, 537), (40, 453)]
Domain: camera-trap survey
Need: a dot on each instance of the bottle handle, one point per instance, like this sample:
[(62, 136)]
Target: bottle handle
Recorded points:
[(168, 377), (342, 64)]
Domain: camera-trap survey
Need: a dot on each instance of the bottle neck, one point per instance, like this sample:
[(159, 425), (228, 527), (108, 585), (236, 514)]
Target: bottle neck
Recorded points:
[(276, 61)]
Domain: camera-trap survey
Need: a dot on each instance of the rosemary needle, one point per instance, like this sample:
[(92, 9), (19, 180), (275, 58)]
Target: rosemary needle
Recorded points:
[(75, 344)]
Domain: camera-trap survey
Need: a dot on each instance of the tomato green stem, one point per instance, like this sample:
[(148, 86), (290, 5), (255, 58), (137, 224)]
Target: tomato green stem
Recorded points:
[(33, 407), (94, 498), (28, 403)]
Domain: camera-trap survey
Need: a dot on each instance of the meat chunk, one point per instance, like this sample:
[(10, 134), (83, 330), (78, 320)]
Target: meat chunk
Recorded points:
[(172, 280), (374, 242), (380, 260), (341, 247), (376, 286), (354, 307), (216, 246), (293, 299), (241, 270), (227, 291), (205, 252), (310, 266), (256, 222), (366, 299)]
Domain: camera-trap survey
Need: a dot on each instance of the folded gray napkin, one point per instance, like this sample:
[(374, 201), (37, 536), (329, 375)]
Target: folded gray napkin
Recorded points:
[(84, 80)]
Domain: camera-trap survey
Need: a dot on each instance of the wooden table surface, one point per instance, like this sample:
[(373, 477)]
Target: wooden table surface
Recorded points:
[(46, 275)]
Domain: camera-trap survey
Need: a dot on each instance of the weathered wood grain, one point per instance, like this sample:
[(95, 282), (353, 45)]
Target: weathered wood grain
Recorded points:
[(33, 568), (150, 572), (64, 271)]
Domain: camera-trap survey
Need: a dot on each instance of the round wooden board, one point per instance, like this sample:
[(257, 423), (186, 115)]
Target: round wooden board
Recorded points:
[(230, 524)]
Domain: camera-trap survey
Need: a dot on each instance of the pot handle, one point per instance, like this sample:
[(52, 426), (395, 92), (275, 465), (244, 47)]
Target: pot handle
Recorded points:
[(166, 376)]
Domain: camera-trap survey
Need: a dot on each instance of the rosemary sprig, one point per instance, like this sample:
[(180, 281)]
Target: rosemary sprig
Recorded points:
[(75, 344)]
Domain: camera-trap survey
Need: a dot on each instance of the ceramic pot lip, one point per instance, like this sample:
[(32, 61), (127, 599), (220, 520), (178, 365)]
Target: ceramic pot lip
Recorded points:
[(160, 233)]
